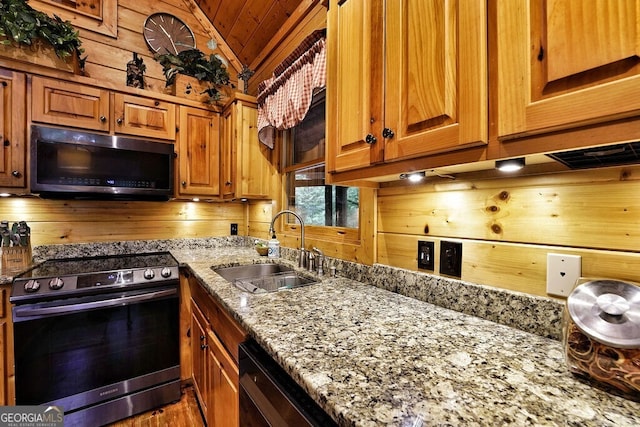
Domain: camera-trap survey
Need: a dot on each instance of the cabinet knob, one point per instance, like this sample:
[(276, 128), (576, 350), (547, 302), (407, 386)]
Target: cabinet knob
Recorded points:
[(227, 183), (387, 133), (6, 142), (103, 119), (203, 346), (16, 174), (370, 139), (184, 183), (119, 120)]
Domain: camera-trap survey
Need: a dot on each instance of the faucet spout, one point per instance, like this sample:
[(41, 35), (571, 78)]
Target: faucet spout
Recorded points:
[(302, 258)]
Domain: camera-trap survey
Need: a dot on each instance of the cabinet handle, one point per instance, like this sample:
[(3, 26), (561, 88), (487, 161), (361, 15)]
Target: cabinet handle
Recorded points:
[(6, 142), (387, 133), (184, 183), (15, 174), (119, 120), (103, 119), (370, 139), (203, 347), (156, 103), (227, 183), (202, 337)]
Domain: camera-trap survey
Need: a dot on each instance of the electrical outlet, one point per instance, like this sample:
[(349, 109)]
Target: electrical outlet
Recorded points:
[(425, 255), (563, 271), (451, 258), (234, 229)]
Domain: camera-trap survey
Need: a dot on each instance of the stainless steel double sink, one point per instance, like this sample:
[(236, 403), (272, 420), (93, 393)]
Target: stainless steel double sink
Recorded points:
[(263, 278)]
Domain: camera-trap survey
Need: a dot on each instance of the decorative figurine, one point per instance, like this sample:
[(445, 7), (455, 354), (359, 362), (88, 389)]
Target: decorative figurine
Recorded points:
[(245, 75), (135, 72)]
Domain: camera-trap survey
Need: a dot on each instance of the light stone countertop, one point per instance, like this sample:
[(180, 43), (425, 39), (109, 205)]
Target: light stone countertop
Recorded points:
[(371, 357)]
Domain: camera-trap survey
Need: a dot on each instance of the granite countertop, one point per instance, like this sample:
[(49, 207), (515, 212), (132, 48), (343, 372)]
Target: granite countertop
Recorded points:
[(371, 357)]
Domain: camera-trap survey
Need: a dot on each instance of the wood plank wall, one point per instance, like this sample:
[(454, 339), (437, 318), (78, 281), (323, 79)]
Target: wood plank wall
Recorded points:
[(507, 226), (107, 56), (82, 221)]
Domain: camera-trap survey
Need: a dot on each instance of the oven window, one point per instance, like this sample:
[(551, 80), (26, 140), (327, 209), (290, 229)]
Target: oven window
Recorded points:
[(65, 355)]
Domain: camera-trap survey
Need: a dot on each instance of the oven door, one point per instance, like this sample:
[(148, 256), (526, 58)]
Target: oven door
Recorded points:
[(79, 351)]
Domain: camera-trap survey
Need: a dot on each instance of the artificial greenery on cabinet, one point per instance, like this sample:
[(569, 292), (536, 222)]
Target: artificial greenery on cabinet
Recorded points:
[(193, 62), (21, 24)]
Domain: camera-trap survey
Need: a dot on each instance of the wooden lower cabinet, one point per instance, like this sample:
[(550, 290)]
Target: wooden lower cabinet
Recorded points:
[(222, 385), (214, 339), (7, 393)]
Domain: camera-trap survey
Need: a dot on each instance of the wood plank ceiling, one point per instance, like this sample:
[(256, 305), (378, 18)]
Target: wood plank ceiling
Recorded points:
[(248, 26)]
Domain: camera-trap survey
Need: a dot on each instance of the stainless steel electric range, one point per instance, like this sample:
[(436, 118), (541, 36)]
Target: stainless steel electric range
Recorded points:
[(98, 336)]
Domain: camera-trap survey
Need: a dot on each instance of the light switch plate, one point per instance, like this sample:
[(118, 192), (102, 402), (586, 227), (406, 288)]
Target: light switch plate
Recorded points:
[(562, 273)]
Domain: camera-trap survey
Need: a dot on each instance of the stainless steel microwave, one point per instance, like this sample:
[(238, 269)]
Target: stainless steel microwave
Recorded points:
[(68, 163)]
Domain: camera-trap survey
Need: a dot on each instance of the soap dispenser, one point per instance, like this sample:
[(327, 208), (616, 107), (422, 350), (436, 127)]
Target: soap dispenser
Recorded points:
[(274, 247)]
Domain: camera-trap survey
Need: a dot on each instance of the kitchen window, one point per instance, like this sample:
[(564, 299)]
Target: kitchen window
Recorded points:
[(307, 194)]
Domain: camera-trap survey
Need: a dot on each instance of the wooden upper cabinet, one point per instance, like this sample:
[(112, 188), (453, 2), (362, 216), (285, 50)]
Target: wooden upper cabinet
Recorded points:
[(198, 152), (355, 87), (63, 103), (563, 64), (406, 79), (144, 117), (12, 129), (247, 169), (435, 76)]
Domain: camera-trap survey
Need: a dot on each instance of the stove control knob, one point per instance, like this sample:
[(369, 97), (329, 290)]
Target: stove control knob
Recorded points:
[(56, 283), (166, 272), (149, 274), (31, 286)]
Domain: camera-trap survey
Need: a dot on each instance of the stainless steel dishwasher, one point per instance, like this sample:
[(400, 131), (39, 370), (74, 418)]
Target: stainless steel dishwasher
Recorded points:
[(268, 395)]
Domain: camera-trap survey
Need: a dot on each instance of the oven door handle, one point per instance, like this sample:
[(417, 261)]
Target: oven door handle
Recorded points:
[(92, 305)]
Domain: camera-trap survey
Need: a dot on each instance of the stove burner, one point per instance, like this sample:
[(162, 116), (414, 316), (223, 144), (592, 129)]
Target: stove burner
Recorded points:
[(56, 278)]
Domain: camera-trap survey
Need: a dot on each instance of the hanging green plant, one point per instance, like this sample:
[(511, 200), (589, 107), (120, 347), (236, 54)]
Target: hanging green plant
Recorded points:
[(22, 24), (196, 64)]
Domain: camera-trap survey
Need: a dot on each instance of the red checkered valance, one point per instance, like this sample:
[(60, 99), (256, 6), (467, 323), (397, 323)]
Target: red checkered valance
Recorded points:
[(285, 98)]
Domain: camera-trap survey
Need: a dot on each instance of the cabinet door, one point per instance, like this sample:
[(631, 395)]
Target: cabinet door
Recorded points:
[(223, 403), (199, 152), (228, 154), (563, 64), (435, 76), (253, 158), (12, 129), (199, 355), (355, 86), (69, 104), (7, 395), (144, 117)]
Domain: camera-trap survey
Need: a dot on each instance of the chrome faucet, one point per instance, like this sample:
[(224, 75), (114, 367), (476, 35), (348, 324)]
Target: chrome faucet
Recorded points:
[(302, 259)]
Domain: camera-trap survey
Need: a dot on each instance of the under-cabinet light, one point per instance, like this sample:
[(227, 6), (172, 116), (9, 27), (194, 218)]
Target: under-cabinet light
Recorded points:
[(510, 165), (413, 176)]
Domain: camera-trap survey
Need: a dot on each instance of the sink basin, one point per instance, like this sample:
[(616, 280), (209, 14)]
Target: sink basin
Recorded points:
[(262, 278), (251, 270)]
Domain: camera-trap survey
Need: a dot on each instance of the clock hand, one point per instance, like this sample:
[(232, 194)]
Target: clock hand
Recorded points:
[(175, 49)]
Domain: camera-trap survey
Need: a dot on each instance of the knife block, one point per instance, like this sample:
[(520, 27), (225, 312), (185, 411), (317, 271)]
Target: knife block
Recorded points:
[(15, 258)]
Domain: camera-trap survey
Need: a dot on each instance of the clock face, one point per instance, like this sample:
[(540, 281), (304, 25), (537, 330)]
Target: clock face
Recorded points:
[(164, 33)]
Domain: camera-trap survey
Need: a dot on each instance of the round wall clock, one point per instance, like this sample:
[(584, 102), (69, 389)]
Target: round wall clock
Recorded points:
[(165, 33)]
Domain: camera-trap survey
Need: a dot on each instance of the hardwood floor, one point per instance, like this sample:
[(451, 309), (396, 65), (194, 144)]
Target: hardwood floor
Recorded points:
[(185, 413)]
